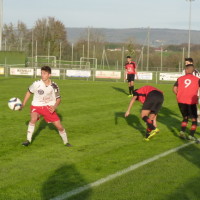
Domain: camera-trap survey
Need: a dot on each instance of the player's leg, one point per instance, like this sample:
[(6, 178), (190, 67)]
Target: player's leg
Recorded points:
[(132, 86), (62, 132), (151, 129), (184, 109), (132, 79), (193, 114), (153, 118), (148, 130), (184, 124), (31, 128), (129, 86), (193, 128)]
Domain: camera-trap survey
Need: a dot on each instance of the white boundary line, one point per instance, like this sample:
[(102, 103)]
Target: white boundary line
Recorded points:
[(119, 173)]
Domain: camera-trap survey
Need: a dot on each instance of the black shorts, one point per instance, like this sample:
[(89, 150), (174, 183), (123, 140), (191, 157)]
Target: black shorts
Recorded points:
[(130, 77), (153, 102), (188, 110)]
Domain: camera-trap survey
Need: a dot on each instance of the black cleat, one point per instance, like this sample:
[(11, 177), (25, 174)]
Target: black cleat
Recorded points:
[(68, 145), (26, 143)]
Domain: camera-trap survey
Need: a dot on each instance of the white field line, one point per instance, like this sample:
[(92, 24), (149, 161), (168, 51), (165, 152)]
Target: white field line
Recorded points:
[(119, 173)]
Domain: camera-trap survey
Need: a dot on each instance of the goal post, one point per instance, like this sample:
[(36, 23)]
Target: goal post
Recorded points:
[(45, 60), (88, 63)]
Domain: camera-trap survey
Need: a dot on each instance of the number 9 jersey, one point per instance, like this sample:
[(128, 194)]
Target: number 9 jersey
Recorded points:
[(188, 87)]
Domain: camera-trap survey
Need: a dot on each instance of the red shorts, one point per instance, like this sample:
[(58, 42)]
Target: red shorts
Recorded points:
[(44, 111)]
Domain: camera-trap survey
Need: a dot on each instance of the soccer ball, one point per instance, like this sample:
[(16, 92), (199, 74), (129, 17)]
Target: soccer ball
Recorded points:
[(14, 103)]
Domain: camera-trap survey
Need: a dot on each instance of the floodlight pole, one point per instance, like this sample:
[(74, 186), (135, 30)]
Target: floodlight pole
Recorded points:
[(189, 29), (1, 23), (148, 40), (161, 57), (88, 45), (72, 53)]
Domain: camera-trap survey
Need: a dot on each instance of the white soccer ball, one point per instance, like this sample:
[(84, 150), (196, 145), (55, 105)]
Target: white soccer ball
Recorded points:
[(14, 103)]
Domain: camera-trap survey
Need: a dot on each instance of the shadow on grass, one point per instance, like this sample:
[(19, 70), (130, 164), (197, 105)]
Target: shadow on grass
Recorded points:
[(42, 125), (172, 121), (190, 189), (169, 119), (64, 179), (131, 120), (120, 90)]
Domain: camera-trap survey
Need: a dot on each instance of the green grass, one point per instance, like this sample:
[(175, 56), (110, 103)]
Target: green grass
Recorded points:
[(104, 142)]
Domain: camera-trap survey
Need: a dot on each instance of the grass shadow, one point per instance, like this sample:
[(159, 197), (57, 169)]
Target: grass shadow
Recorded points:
[(170, 119), (120, 90), (66, 178), (131, 120)]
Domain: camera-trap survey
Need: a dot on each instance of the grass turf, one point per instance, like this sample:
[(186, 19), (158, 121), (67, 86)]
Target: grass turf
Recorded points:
[(103, 143)]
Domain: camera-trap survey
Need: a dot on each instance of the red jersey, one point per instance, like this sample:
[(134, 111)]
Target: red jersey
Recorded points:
[(188, 86), (130, 67), (144, 91)]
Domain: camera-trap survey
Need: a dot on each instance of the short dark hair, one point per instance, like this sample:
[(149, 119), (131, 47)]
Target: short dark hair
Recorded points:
[(189, 59), (128, 56), (46, 69)]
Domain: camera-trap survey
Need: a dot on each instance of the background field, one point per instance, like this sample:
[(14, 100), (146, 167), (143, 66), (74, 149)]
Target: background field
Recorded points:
[(104, 142)]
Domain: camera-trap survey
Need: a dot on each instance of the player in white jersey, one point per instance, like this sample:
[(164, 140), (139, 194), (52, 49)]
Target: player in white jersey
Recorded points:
[(46, 98), (189, 61)]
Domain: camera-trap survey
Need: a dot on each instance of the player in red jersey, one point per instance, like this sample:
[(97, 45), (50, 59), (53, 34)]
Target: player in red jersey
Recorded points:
[(131, 71), (46, 98), (186, 89), (152, 100)]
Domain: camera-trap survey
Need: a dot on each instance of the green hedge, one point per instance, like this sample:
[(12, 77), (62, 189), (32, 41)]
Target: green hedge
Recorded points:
[(12, 57)]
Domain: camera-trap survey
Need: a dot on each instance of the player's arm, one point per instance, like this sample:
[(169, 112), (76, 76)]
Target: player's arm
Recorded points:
[(175, 88), (53, 108), (26, 98), (130, 106)]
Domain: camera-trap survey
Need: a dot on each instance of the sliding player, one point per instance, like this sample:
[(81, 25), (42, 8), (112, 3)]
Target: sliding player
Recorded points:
[(46, 98), (131, 71), (152, 100), (186, 89)]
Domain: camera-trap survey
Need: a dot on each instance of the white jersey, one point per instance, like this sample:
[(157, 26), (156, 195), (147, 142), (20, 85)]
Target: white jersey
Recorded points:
[(195, 73), (44, 95)]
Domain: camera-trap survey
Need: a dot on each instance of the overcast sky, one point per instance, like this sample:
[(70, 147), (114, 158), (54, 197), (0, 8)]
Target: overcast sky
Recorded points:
[(105, 13)]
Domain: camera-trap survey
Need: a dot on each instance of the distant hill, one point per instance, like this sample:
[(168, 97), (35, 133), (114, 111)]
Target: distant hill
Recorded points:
[(157, 36)]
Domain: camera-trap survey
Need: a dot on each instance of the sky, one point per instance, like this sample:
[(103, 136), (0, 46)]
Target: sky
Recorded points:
[(172, 14)]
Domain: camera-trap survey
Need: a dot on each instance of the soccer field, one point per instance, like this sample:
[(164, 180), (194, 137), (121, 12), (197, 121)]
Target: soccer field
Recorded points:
[(104, 142)]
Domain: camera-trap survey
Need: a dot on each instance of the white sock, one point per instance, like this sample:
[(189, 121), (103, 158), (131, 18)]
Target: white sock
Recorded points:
[(31, 128), (63, 135)]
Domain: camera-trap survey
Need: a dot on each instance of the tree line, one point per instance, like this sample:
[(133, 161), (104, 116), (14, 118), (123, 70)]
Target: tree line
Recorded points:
[(49, 37)]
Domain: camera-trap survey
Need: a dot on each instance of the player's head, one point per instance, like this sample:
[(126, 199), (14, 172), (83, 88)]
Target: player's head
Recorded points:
[(45, 72), (128, 58), (189, 69), (188, 61)]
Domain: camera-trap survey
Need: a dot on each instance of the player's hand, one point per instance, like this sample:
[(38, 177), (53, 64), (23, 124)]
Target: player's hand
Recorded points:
[(127, 114), (21, 107), (52, 109)]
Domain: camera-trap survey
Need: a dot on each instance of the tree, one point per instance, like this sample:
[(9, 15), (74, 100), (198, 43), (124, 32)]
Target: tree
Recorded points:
[(9, 36), (96, 43), (15, 38), (50, 34)]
